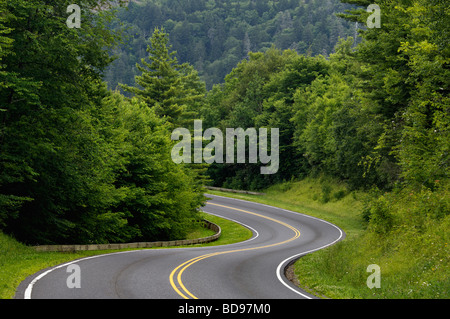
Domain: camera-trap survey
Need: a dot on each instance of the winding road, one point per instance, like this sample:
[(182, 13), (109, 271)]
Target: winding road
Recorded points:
[(253, 269)]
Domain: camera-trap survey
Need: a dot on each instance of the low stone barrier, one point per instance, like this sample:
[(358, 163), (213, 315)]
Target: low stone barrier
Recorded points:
[(232, 190), (185, 242)]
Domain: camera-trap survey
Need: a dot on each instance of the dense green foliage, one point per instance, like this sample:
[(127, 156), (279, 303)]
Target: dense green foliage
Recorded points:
[(374, 115), (80, 164), (215, 35), (172, 90), (323, 127)]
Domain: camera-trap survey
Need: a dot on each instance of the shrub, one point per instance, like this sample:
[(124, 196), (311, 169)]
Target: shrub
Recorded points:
[(381, 219)]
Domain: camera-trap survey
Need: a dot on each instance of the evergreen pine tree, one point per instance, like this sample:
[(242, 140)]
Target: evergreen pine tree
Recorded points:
[(164, 84)]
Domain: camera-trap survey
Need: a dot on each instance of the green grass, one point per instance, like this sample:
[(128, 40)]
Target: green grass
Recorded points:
[(198, 231), (414, 261), (231, 231), (18, 261)]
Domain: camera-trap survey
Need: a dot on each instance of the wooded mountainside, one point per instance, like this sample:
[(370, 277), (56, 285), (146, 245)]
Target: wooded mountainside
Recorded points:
[(214, 36)]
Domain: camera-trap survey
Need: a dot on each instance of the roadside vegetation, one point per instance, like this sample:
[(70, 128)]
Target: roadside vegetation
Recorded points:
[(414, 258)]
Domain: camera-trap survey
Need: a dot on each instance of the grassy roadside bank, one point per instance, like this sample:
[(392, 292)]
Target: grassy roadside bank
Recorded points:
[(414, 260), (18, 261)]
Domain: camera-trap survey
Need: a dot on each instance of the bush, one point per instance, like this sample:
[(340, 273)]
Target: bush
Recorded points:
[(381, 219), (326, 192), (340, 194)]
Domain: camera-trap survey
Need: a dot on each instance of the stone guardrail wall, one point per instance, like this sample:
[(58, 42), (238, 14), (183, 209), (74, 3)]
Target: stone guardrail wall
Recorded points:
[(185, 242), (232, 190)]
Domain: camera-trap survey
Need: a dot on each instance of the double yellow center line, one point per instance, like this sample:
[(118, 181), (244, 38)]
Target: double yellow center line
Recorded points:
[(175, 276)]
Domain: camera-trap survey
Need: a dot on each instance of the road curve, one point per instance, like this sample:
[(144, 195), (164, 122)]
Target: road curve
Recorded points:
[(253, 269)]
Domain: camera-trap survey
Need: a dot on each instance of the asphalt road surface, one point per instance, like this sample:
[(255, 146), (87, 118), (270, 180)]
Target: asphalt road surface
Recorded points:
[(253, 269)]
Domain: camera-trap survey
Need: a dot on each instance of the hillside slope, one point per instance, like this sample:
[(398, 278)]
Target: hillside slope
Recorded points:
[(214, 36)]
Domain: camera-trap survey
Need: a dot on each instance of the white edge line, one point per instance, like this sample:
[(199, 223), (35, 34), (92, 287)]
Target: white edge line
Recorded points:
[(279, 268), (29, 290)]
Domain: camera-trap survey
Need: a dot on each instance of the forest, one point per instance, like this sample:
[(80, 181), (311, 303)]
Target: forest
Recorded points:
[(80, 164), (85, 144), (214, 36)]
